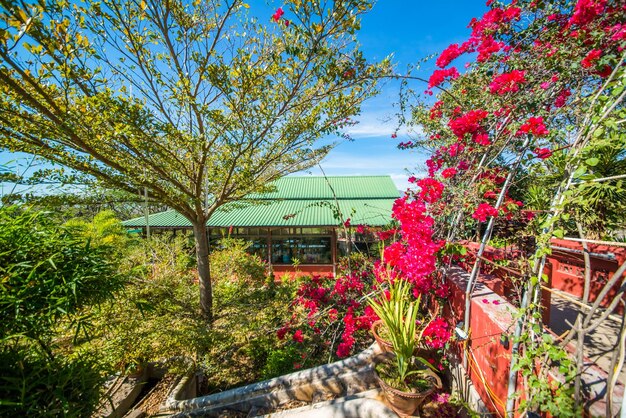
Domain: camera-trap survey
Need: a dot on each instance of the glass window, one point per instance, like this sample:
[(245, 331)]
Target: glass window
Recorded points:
[(258, 247), (305, 250)]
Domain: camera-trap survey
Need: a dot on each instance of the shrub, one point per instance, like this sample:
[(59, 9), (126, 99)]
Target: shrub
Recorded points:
[(155, 316), (48, 275)]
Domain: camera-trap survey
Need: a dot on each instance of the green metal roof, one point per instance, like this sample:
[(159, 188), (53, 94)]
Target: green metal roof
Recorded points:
[(300, 201), (344, 187)]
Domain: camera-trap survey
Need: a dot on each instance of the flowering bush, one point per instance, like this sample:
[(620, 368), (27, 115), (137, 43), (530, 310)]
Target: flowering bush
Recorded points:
[(542, 95)]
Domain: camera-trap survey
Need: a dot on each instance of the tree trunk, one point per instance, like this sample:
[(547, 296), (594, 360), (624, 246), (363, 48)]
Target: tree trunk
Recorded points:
[(204, 270)]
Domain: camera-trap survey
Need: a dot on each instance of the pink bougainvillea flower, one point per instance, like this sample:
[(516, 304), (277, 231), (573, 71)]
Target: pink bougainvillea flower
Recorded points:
[(437, 333), (534, 126), (591, 58), (439, 76), (278, 14), (448, 172), (496, 302), (586, 11), (562, 98), (485, 300), (448, 55), (543, 153), (431, 189), (442, 398), (507, 82), (484, 211), (297, 336)]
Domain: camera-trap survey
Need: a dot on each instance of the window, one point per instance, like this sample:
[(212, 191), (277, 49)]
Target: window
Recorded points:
[(307, 250)]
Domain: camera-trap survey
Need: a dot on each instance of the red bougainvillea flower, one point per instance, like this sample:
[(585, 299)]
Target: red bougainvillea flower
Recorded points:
[(562, 98), (431, 189), (360, 229), (347, 223), (529, 215), (439, 76), (482, 139), (591, 58), (543, 153), (586, 11), (449, 54), (448, 172), (484, 211), (437, 334), (508, 82), (278, 14), (468, 123), (490, 194), (605, 71), (297, 336), (534, 126), (282, 331), (455, 149), (487, 47), (435, 111)]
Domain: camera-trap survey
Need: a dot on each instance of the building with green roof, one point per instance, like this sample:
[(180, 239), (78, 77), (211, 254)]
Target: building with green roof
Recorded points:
[(299, 221)]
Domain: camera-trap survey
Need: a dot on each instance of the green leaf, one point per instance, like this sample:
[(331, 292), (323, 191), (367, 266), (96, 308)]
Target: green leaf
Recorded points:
[(592, 162)]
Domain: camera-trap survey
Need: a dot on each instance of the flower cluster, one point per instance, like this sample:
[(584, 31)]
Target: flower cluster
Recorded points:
[(534, 126), (543, 153), (449, 54), (507, 82), (469, 123), (484, 211), (439, 76), (437, 333), (591, 58), (431, 190)]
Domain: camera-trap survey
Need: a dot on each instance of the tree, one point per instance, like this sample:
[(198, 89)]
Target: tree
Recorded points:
[(197, 101)]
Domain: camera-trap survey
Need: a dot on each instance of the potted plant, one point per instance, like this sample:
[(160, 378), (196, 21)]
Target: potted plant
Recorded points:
[(405, 378)]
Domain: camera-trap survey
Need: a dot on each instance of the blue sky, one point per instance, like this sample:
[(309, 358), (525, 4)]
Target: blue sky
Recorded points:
[(410, 30)]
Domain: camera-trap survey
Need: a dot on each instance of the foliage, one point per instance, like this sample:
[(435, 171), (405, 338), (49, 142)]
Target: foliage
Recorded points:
[(49, 275), (33, 384), (105, 229), (201, 102), (155, 317), (235, 269)]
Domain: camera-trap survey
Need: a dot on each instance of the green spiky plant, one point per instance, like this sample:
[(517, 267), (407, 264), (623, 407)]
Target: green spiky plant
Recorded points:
[(399, 315)]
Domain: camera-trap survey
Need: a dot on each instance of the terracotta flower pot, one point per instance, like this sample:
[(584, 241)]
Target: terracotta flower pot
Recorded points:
[(406, 403), (385, 346)]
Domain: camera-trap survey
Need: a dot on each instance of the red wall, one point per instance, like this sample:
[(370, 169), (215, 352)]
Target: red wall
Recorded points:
[(488, 321), (568, 268), (302, 270)]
